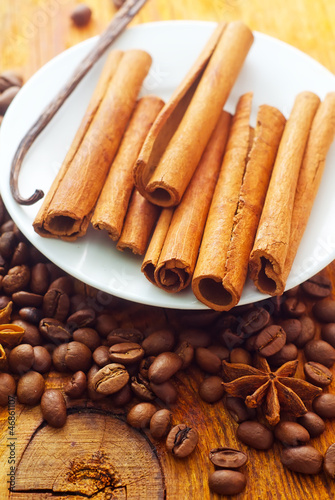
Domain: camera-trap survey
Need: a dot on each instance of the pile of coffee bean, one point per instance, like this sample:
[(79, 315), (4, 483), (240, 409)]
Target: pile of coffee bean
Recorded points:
[(10, 84)]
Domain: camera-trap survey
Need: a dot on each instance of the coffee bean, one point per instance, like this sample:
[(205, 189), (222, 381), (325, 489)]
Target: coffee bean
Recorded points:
[(329, 461), (182, 440), (240, 355), (160, 423), (7, 244), (42, 359), (317, 287), (21, 358), (227, 482), (6, 98), (119, 335), (23, 299), (303, 459), (317, 374), (111, 378), (144, 366), (291, 433), (140, 415), (159, 341), (313, 423), (31, 334), (320, 352), (141, 388), (87, 336), (196, 337), (164, 366), (324, 405), (81, 15), (287, 353), (122, 397), (101, 356), (228, 458), (293, 307), (31, 314), (292, 328), (7, 388), (56, 304), (186, 352), (270, 340), (254, 321), (255, 434), (92, 393), (10, 78), (165, 391), (20, 255), (80, 319), (53, 408), (324, 310), (220, 351), (78, 357), (207, 361), (64, 283), (54, 330), (105, 324), (239, 411), (58, 357), (328, 333), (118, 3), (211, 389), (39, 278), (126, 353), (30, 388), (230, 339), (16, 279), (307, 331), (76, 387)]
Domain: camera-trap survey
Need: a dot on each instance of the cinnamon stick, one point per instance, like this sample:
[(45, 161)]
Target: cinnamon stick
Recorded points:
[(271, 246), (180, 134), (177, 260), (67, 209), (112, 205), (140, 220)]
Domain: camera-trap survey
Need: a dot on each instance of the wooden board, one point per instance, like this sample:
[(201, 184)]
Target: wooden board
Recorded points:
[(96, 455)]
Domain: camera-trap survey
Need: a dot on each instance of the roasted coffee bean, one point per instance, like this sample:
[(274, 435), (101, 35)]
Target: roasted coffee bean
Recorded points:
[(31, 334), (307, 331), (21, 358), (119, 335), (220, 351), (122, 397), (118, 3), (186, 352), (144, 366), (92, 393), (7, 244), (249, 343), (239, 411), (141, 388), (87, 336), (240, 355), (292, 328), (160, 423), (64, 283), (27, 299), (270, 340), (31, 314), (164, 366), (211, 389), (53, 408), (78, 357), (4, 301), (313, 423), (317, 374), (105, 324), (42, 359), (328, 333), (303, 459), (329, 461), (76, 387), (159, 341), (101, 356), (196, 337), (58, 357), (324, 405), (10, 78), (165, 391), (54, 330), (293, 307), (126, 353), (111, 378), (291, 434), (16, 279), (320, 352), (254, 321), (6, 98), (207, 361), (287, 353), (20, 255), (39, 278), (228, 458), (139, 416), (56, 304), (182, 440), (255, 435), (30, 388), (317, 287), (230, 339), (81, 15), (324, 310), (7, 388), (80, 319), (227, 482)]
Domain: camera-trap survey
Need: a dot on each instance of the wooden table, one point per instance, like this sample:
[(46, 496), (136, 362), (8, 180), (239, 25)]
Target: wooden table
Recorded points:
[(76, 459)]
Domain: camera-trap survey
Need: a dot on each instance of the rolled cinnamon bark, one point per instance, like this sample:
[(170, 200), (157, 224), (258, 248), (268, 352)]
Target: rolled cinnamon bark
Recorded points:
[(140, 220), (271, 246), (176, 264), (320, 139), (112, 205), (180, 134), (67, 209)]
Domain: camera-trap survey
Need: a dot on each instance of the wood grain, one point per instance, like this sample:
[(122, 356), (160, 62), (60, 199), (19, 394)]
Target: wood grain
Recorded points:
[(51, 462)]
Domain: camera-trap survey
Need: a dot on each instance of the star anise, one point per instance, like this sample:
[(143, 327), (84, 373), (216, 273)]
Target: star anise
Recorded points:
[(271, 390)]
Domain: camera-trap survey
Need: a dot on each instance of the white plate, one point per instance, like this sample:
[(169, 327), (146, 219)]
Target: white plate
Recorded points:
[(274, 71)]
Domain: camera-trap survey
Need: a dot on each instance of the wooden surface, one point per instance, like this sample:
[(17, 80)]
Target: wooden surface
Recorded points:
[(95, 439)]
